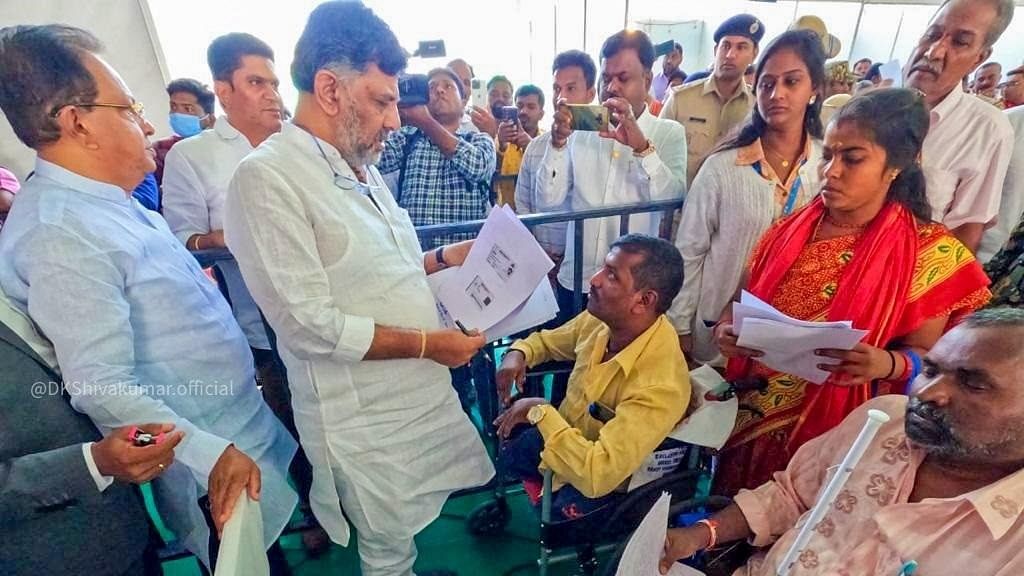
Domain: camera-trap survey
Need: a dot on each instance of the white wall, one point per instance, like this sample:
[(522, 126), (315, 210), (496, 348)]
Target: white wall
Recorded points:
[(121, 26)]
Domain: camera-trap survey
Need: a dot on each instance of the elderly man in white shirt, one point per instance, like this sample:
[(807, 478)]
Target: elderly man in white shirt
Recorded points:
[(1011, 206), (140, 333), (969, 143), (336, 266), (198, 169), (639, 158)]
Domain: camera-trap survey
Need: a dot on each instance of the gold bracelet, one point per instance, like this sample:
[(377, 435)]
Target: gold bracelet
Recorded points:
[(423, 343), (195, 243)]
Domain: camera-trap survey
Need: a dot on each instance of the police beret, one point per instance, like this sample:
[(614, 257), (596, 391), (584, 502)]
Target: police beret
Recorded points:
[(741, 25)]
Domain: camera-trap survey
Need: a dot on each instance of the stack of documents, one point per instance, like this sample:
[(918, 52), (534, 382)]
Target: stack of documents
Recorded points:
[(789, 344), (502, 288)]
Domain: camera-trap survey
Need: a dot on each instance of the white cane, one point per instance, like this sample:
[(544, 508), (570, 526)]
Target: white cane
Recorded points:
[(875, 420)]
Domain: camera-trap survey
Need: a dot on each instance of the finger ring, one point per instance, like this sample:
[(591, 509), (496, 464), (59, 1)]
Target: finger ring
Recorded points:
[(161, 466)]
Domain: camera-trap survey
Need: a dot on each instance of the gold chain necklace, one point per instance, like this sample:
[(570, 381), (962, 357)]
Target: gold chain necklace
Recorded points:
[(785, 161)]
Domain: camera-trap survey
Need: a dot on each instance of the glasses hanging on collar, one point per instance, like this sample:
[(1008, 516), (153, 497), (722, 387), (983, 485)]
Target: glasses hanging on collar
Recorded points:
[(348, 183)]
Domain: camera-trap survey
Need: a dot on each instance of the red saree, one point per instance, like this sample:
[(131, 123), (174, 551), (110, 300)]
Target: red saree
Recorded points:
[(888, 280)]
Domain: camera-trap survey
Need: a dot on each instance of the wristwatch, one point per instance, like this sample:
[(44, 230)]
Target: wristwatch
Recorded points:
[(536, 414)]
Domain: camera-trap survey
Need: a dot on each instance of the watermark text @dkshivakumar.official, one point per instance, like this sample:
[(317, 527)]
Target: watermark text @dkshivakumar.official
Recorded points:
[(192, 388)]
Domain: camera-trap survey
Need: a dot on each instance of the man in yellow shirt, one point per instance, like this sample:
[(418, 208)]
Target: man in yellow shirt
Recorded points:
[(515, 136), (628, 389)]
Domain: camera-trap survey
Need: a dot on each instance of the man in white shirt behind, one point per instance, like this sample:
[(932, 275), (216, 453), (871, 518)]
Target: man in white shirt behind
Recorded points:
[(1011, 206), (640, 158), (574, 82), (335, 265), (970, 141), (197, 170)]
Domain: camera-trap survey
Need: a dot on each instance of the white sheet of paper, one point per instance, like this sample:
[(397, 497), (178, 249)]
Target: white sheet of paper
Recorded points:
[(710, 422), (435, 281), (241, 546), (891, 70), (540, 307), (500, 273), (645, 547), (790, 349), (751, 306)]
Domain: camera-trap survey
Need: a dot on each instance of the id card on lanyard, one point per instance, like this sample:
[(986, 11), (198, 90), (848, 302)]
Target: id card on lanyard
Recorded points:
[(794, 190)]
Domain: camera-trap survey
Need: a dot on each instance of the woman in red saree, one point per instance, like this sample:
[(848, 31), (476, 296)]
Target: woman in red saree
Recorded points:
[(866, 251)]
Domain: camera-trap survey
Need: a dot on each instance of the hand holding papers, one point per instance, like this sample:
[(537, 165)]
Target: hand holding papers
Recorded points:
[(892, 74), (646, 546), (241, 550), (789, 344), (502, 287)]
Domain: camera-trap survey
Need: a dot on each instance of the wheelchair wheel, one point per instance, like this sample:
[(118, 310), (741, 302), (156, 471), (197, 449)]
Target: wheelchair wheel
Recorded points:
[(488, 518)]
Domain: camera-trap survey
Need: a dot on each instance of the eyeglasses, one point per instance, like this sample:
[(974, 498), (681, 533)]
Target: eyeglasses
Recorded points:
[(136, 109), (348, 183)]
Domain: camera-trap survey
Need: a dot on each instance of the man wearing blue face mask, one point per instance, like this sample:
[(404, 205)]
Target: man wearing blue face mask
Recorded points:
[(191, 104)]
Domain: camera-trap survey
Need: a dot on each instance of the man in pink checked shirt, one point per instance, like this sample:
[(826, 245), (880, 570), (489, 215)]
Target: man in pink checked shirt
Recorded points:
[(940, 485)]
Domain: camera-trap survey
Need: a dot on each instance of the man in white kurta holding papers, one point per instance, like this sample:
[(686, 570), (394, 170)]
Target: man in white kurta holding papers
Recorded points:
[(335, 265)]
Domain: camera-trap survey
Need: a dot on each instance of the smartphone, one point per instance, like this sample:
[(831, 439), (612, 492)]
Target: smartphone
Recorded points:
[(506, 113), (589, 117), (664, 48), (479, 93), (430, 49), (600, 412)]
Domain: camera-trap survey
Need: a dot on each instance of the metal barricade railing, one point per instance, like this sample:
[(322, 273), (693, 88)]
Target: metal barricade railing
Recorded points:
[(207, 258), (578, 217)]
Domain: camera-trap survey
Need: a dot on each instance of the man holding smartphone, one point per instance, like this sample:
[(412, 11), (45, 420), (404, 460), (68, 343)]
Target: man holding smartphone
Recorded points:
[(638, 158), (515, 135)]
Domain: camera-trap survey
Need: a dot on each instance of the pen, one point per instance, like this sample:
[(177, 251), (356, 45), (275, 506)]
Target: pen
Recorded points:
[(466, 332)]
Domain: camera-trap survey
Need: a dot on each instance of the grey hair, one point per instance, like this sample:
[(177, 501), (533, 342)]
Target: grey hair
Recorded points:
[(1001, 317), (1004, 15)]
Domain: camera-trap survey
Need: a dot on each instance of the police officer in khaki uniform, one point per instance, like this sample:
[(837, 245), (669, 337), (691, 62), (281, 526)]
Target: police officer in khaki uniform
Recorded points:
[(711, 107)]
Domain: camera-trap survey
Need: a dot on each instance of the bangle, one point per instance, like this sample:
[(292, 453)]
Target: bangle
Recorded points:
[(439, 256), (892, 365), (712, 526), (423, 344), (906, 368), (915, 363), (195, 242), (647, 151)]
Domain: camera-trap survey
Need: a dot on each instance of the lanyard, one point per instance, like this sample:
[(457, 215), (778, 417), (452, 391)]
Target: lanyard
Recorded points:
[(793, 190)]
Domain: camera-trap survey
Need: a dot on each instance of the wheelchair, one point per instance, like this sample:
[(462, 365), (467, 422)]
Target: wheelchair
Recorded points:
[(582, 540), (607, 530)]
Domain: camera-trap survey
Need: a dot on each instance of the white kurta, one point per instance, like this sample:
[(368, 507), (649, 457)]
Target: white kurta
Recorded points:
[(325, 265)]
